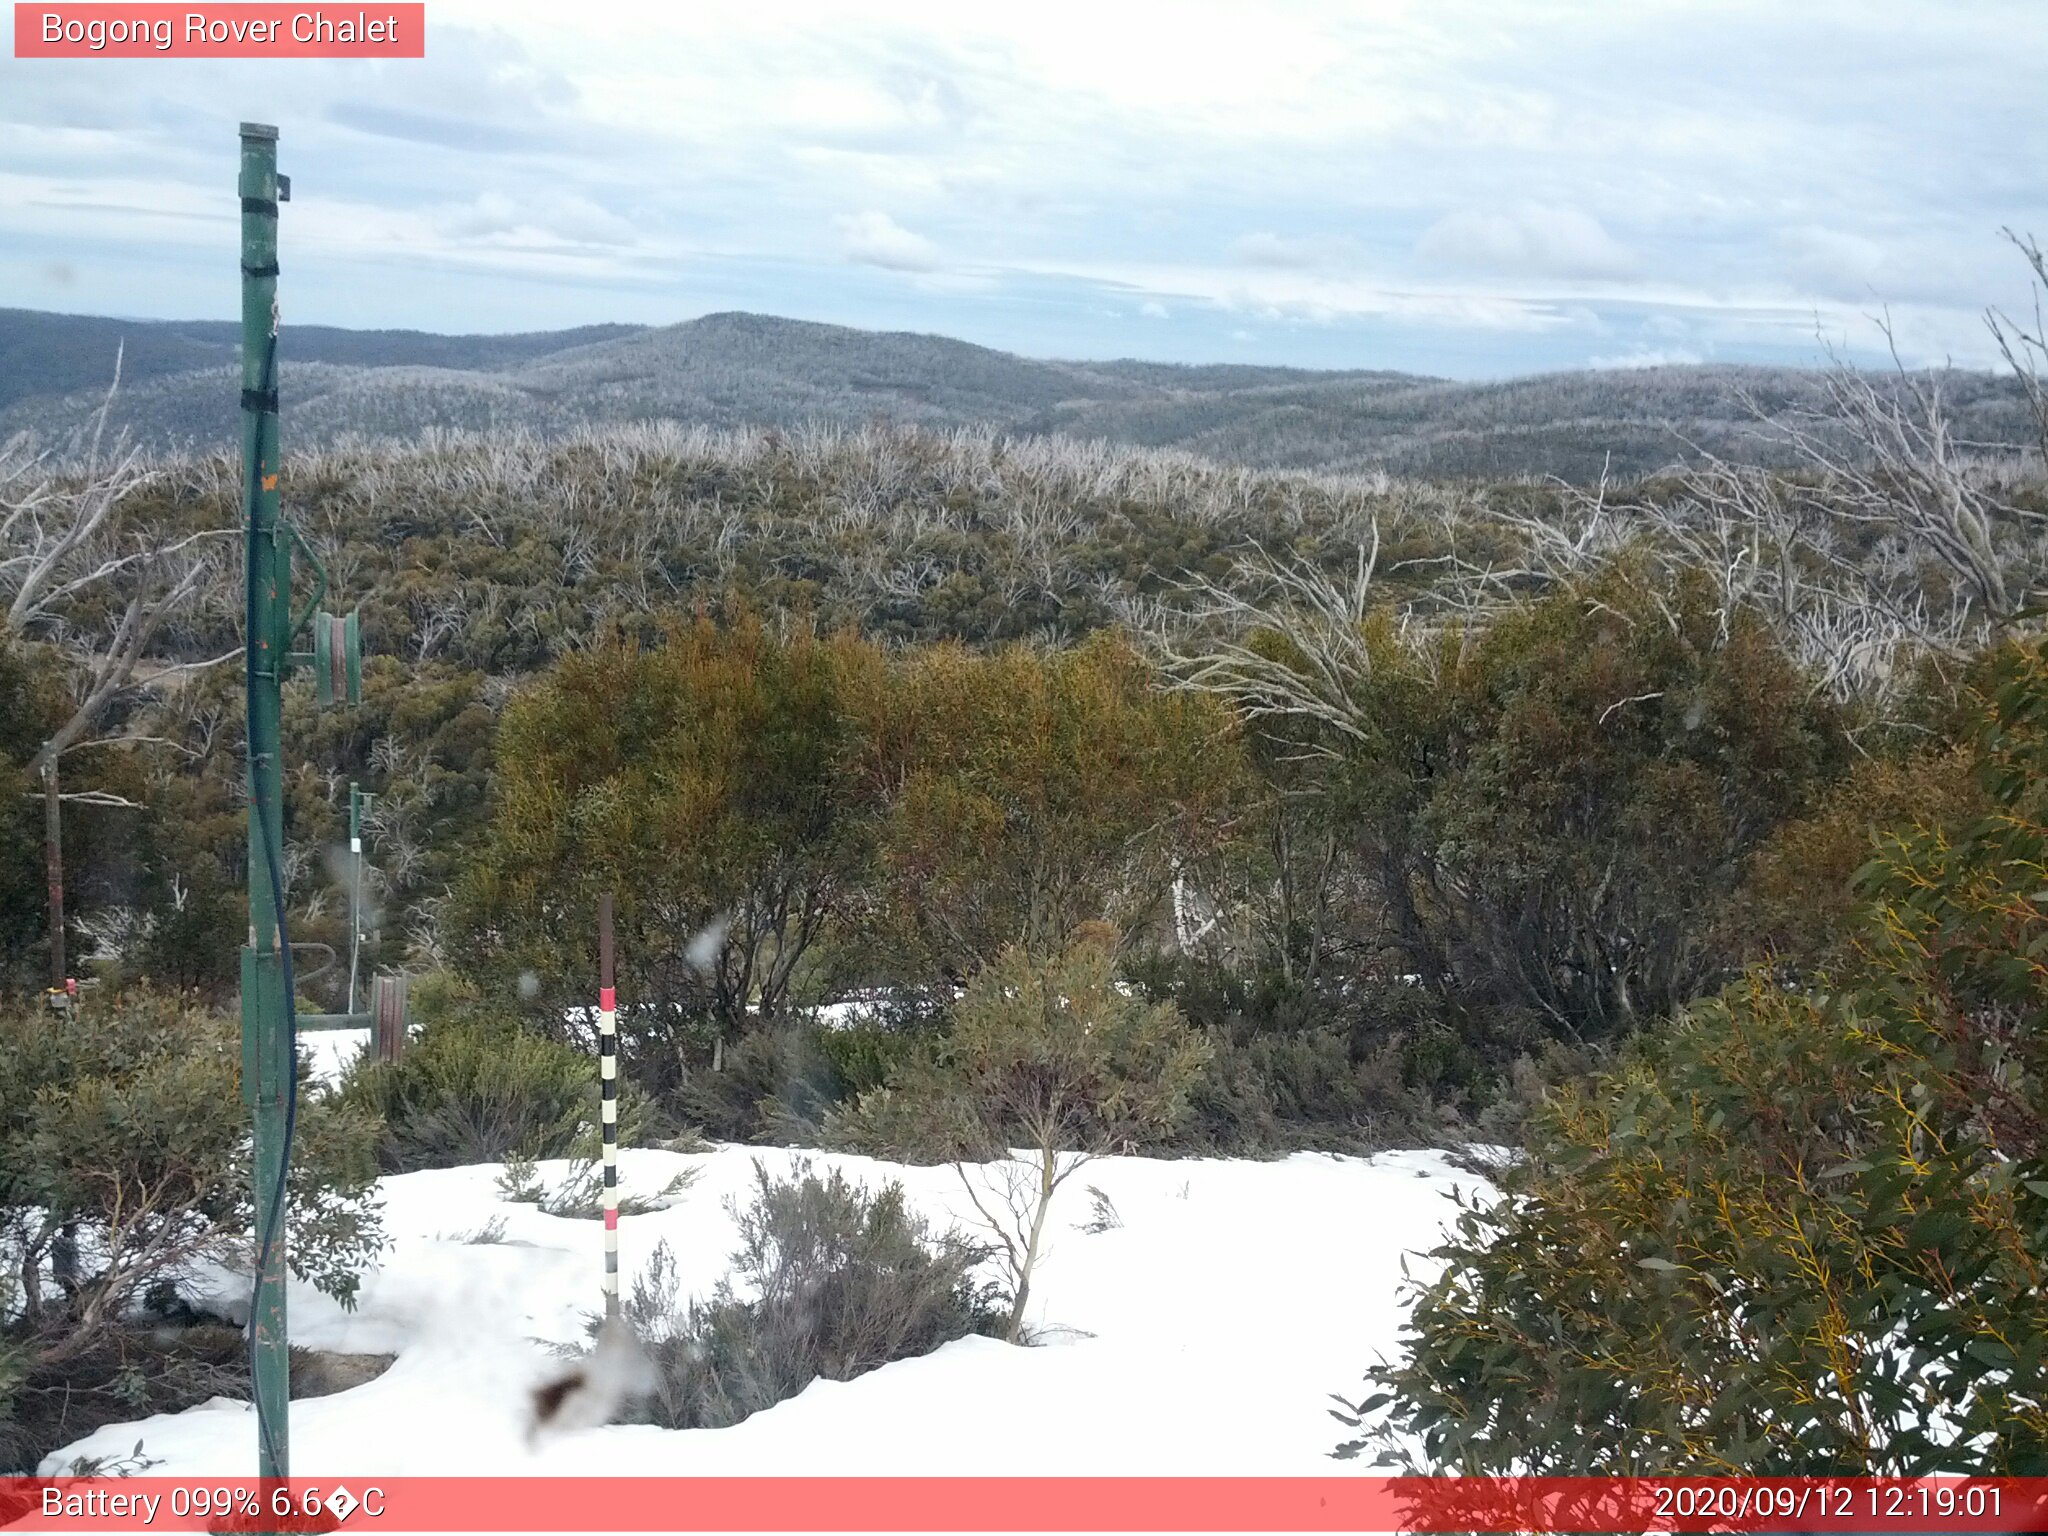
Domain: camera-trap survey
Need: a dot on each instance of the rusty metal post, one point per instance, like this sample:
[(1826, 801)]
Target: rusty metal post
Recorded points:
[(388, 997)]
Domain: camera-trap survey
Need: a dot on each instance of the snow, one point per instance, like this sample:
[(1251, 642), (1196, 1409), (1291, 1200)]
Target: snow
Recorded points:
[(851, 1012), (328, 1053), (875, 1007), (1204, 1336)]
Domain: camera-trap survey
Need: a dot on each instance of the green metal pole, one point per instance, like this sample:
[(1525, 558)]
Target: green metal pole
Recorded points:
[(267, 1061)]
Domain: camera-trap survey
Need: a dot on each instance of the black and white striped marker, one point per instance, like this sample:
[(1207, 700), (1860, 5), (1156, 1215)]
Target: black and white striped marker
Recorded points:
[(608, 1100)]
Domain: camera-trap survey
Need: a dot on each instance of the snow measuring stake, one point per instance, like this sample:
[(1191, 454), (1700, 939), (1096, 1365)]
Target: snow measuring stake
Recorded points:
[(608, 1100), (269, 1024)]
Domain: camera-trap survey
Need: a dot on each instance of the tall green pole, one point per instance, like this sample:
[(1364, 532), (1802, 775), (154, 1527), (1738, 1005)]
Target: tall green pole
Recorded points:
[(267, 1059)]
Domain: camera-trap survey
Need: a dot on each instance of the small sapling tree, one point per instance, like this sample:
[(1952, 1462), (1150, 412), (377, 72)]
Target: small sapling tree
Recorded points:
[(1049, 1064)]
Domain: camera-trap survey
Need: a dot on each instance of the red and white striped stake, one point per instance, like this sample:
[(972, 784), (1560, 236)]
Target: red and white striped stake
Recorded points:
[(608, 1102)]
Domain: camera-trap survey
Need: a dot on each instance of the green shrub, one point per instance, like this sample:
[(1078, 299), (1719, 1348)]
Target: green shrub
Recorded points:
[(1301, 1090), (864, 1056), (1801, 1232), (124, 1165), (774, 1088), (781, 1083), (830, 1280), (1546, 814), (1338, 1068), (469, 1089), (1797, 902), (1025, 794)]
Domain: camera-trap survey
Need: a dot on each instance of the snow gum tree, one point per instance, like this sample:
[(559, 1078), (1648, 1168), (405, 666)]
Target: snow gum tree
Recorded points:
[(1545, 812), (1027, 793), (1804, 1231), (700, 779), (96, 587), (783, 814)]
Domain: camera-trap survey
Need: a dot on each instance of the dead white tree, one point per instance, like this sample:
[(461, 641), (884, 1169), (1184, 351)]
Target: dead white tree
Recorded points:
[(1223, 644), (1885, 537), (1904, 476), (2024, 344), (66, 549)]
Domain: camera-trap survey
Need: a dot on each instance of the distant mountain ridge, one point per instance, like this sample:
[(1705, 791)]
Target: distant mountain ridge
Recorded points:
[(180, 382)]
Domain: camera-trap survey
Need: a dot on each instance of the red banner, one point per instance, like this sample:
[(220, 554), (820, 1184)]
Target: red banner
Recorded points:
[(378, 31), (1421, 1504)]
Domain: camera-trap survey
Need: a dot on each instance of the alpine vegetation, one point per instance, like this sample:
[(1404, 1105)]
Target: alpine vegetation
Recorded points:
[(980, 807)]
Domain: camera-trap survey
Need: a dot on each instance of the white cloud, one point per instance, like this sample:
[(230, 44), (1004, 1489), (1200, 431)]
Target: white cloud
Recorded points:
[(1269, 250), (1647, 357), (538, 216), (1832, 261), (873, 239), (1287, 293), (1506, 178), (1152, 309), (1526, 240)]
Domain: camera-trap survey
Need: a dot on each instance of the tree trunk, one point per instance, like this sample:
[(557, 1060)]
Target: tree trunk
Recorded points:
[(64, 1264), (32, 1288), (1047, 1181), (53, 865)]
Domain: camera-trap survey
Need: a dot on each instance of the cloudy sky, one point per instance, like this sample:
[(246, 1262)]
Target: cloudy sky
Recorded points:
[(1463, 187)]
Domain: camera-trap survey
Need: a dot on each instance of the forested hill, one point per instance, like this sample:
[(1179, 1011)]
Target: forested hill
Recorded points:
[(179, 390)]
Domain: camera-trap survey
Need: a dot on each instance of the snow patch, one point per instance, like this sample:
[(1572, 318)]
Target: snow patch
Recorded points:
[(1201, 1337)]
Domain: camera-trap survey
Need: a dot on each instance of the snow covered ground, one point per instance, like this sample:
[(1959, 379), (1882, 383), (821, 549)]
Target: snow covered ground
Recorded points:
[(1203, 1336)]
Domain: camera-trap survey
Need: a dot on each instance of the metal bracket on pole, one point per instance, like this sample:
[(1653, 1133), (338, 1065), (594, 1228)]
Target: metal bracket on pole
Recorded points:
[(337, 659)]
